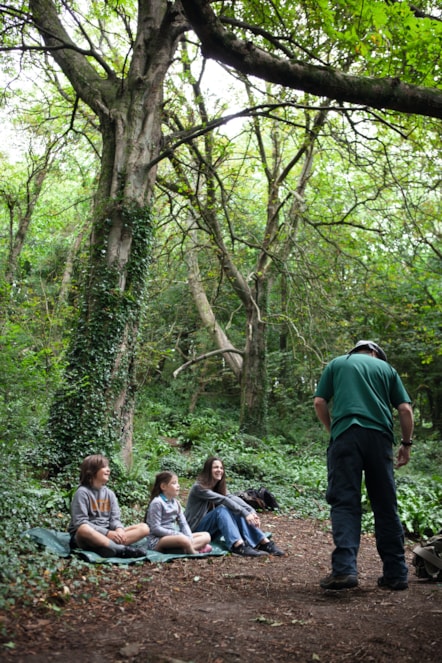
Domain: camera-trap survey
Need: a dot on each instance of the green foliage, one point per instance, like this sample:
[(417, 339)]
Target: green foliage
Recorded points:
[(132, 484), (388, 37), (30, 366), (294, 472), (377, 38), (23, 504), (420, 488), (419, 503)]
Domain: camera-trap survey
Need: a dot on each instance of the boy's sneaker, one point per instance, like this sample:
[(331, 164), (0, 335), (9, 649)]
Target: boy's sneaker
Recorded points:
[(397, 585), (130, 552), (104, 551), (339, 582), (247, 551), (271, 549)]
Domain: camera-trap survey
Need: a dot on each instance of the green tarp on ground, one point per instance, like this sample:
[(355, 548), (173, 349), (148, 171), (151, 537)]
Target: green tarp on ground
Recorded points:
[(58, 543)]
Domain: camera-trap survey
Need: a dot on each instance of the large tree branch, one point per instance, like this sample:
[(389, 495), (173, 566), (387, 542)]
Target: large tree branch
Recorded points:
[(385, 93), (418, 12), (92, 88)]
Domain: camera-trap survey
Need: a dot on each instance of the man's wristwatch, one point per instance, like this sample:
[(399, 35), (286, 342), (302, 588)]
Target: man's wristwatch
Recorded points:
[(406, 444)]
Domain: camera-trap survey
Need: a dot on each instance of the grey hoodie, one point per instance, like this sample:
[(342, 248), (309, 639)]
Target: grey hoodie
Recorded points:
[(98, 507), (201, 499)]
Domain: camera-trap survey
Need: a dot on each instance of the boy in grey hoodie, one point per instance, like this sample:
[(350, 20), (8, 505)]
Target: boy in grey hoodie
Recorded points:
[(95, 515)]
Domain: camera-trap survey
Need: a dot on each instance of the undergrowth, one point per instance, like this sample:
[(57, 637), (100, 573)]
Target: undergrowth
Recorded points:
[(294, 472)]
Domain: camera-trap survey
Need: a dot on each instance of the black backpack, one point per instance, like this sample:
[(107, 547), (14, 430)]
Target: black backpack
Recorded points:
[(427, 559), (259, 499)]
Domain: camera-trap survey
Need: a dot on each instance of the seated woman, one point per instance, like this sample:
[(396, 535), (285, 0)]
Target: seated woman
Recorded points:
[(168, 526), (210, 508)]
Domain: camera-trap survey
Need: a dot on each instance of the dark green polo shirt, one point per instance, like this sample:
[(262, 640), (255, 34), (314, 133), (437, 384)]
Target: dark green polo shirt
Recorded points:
[(363, 390)]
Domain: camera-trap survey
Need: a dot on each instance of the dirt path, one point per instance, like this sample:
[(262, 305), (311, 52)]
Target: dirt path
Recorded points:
[(233, 610)]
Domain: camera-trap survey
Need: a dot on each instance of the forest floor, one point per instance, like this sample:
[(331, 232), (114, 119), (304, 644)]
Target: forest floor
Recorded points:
[(235, 610)]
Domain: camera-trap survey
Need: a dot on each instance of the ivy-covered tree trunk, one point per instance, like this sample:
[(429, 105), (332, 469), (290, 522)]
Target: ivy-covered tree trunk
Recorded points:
[(93, 410)]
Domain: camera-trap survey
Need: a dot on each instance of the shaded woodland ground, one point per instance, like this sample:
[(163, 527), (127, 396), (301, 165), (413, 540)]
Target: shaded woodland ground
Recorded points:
[(230, 609)]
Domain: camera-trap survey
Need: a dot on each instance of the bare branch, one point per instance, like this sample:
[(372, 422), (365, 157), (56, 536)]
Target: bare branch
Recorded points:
[(206, 355)]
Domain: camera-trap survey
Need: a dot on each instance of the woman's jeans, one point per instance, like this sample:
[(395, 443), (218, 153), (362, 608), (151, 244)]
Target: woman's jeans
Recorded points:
[(233, 527), (363, 450)]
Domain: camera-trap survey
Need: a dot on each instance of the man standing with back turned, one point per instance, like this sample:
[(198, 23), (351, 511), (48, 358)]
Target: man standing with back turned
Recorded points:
[(364, 387)]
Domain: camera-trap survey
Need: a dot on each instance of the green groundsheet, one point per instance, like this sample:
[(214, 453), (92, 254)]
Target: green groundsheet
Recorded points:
[(58, 543)]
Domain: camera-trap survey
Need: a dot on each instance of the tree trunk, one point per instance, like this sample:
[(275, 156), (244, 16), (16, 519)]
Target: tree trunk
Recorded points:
[(254, 379), (93, 410), (94, 407), (234, 360), (17, 239), (69, 267), (435, 401)]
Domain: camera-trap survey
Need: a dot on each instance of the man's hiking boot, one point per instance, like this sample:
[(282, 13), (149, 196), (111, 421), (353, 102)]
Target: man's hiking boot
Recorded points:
[(247, 551), (397, 585), (339, 582), (271, 549)]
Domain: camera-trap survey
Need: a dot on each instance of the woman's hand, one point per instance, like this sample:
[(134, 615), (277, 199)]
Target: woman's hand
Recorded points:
[(253, 519)]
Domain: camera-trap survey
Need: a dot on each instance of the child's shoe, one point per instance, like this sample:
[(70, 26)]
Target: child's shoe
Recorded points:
[(204, 551)]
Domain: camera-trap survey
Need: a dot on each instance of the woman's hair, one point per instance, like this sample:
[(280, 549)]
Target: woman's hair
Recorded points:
[(205, 478), (90, 467), (162, 477)]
